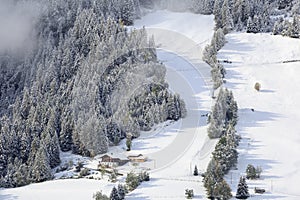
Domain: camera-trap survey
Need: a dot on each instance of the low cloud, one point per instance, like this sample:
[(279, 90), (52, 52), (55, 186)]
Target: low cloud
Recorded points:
[(17, 20)]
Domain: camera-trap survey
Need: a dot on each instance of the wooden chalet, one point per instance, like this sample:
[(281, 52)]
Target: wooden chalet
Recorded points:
[(110, 161), (137, 158)]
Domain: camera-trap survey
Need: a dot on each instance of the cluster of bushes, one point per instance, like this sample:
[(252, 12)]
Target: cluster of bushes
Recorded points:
[(287, 28), (133, 180), (116, 194)]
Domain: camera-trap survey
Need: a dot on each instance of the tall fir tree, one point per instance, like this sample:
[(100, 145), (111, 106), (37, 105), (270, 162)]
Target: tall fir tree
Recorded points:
[(242, 190)]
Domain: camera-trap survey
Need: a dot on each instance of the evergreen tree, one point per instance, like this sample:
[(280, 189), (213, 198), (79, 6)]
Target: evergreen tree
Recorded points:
[(282, 4), (296, 7), (213, 175), (51, 142), (223, 190), (294, 29), (196, 171), (100, 196), (252, 172), (241, 12), (65, 136), (128, 12), (114, 194), (218, 13), (41, 170), (242, 190), (121, 191), (227, 21), (128, 143)]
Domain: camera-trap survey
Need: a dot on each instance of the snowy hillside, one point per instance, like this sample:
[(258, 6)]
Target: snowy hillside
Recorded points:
[(270, 133), (174, 150), (268, 119)]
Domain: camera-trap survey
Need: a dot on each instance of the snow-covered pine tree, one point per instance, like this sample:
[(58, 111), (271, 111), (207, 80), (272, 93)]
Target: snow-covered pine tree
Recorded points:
[(241, 12), (51, 142), (114, 195), (128, 12), (242, 190), (132, 181), (278, 26), (223, 190), (121, 191), (41, 170), (99, 196), (249, 25), (213, 175), (67, 127), (294, 28), (219, 39), (196, 6), (208, 7), (227, 21), (296, 7), (256, 28), (196, 171), (283, 4), (218, 13), (216, 126)]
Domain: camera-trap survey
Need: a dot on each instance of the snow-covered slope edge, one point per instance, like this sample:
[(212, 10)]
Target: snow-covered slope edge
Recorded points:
[(271, 133)]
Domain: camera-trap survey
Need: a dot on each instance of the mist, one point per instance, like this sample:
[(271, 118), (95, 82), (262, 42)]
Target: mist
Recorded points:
[(173, 5), (17, 19)]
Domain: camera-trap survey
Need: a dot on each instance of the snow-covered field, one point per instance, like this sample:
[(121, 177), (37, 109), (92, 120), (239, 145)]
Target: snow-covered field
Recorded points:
[(271, 134)]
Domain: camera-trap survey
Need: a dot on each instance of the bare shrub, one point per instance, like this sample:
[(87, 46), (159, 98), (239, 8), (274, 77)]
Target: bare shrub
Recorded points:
[(257, 86)]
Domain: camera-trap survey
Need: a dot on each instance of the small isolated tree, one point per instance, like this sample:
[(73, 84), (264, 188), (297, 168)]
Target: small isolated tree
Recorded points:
[(102, 170), (252, 172), (196, 171), (189, 193), (100, 196), (242, 191), (257, 86), (113, 176), (258, 171), (128, 143), (114, 195), (144, 176), (121, 191)]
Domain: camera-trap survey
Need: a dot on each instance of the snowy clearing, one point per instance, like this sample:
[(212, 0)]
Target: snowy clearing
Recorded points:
[(270, 133)]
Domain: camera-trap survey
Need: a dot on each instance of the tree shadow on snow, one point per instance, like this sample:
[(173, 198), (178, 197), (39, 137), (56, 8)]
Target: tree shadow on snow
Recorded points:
[(249, 117), (8, 196), (267, 91)]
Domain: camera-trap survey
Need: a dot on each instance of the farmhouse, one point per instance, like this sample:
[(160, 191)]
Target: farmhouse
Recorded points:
[(110, 161), (137, 158)]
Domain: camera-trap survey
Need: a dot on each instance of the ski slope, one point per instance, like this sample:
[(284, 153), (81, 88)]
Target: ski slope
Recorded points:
[(271, 134), (180, 49)]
